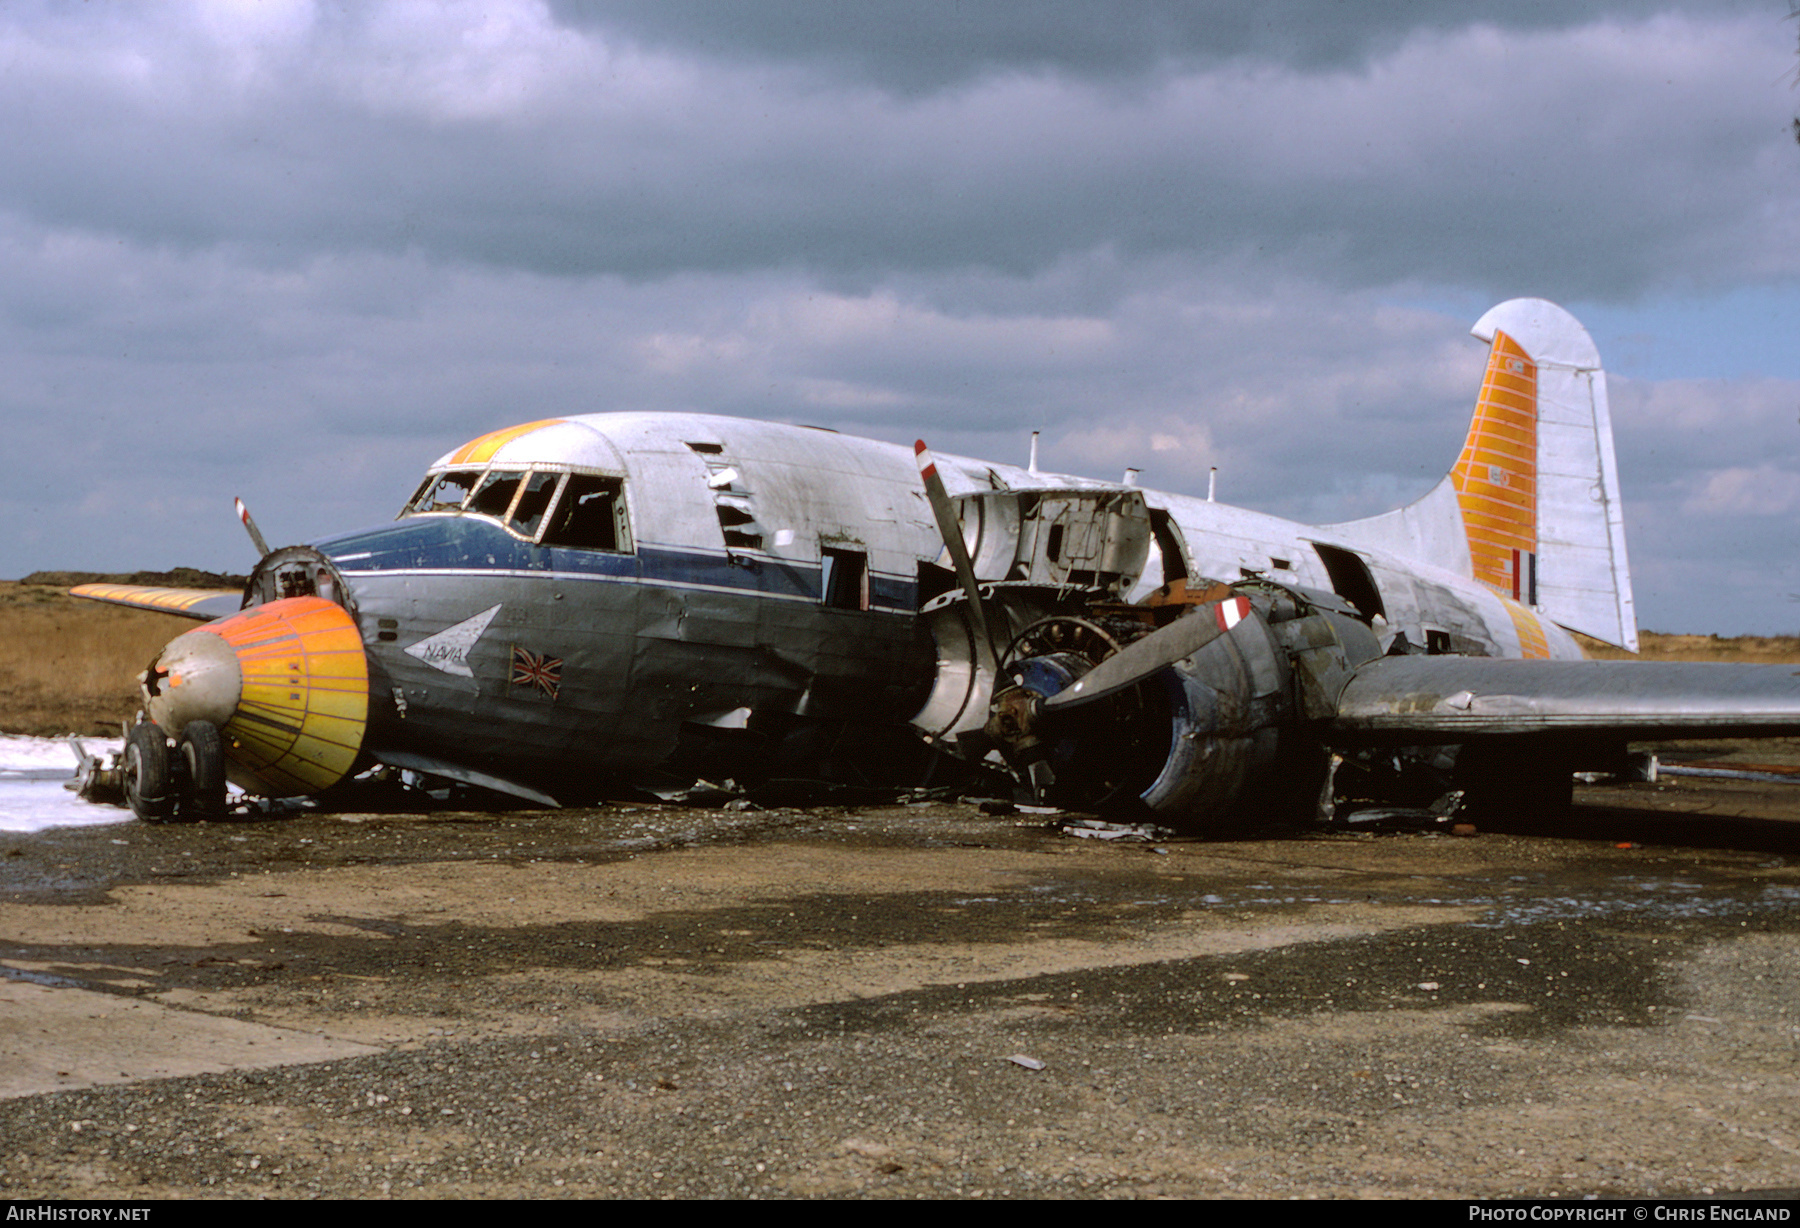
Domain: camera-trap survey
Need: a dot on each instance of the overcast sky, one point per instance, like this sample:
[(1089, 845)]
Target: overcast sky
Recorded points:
[(297, 251)]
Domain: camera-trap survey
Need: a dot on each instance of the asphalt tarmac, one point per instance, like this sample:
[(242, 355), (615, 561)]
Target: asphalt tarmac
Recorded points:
[(904, 1001)]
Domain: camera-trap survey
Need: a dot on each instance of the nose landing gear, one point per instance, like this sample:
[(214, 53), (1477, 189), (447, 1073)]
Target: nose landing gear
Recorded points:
[(148, 788), (167, 779)]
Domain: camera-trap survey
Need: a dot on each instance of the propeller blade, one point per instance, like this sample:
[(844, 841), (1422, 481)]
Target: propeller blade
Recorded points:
[(1157, 651), (256, 537), (950, 529)]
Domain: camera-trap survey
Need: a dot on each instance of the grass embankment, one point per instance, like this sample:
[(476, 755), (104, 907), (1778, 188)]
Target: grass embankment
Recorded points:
[(71, 666)]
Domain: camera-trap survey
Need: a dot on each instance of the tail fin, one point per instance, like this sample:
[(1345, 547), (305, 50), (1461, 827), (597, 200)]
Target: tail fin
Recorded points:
[(1532, 506)]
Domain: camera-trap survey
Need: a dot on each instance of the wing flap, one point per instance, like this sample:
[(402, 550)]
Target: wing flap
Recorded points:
[(200, 604), (1449, 699)]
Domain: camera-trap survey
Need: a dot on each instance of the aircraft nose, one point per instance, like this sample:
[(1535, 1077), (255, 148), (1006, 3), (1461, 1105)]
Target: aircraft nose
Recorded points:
[(287, 684), (196, 677)]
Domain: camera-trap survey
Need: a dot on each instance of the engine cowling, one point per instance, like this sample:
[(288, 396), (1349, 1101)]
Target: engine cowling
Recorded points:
[(286, 683), (1204, 723)]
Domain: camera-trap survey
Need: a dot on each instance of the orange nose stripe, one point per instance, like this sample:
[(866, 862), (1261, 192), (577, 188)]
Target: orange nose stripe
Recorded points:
[(304, 706)]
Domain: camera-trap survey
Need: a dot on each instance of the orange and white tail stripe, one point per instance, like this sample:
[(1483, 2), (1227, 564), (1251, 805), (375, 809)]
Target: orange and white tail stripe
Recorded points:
[(1496, 477)]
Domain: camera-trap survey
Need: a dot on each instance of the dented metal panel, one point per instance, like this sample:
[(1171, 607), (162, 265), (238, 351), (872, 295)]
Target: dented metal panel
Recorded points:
[(1088, 538)]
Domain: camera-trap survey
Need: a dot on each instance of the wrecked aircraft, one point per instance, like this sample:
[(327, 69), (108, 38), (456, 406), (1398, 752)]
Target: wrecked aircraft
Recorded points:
[(567, 604)]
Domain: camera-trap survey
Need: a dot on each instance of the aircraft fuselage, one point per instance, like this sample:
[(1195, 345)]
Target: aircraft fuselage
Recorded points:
[(714, 606), (574, 600)]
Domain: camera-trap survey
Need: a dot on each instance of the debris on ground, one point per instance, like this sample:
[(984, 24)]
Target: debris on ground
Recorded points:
[(1443, 814), (1097, 829)]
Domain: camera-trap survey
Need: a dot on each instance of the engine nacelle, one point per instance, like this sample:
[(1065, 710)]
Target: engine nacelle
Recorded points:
[(1210, 737), (1231, 710)]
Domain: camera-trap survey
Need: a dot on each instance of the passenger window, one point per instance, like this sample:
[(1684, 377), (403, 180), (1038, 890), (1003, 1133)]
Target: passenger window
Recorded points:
[(495, 494), (590, 515), (539, 488)]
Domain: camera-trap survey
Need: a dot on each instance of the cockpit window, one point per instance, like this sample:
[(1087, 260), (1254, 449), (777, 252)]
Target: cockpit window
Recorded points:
[(549, 506), (445, 493), (591, 515), (540, 488), (494, 495)]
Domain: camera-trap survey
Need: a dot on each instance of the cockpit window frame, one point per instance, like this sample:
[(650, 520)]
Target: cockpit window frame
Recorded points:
[(495, 475), (477, 475), (432, 478), (550, 504), (623, 541)]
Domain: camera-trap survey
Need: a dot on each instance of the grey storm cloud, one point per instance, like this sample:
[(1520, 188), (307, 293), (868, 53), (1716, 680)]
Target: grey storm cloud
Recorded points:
[(936, 44), (580, 153)]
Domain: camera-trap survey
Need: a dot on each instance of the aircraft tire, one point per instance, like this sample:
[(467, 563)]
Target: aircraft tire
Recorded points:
[(147, 773), (203, 751)]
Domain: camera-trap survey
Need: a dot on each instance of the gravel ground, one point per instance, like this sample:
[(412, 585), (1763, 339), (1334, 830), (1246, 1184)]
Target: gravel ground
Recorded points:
[(903, 1001)]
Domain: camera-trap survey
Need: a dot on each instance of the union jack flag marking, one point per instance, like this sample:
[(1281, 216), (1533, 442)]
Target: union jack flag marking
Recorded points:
[(530, 669)]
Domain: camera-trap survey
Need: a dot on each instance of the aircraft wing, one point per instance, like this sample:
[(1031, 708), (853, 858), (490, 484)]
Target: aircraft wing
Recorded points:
[(1430, 699), (200, 604)]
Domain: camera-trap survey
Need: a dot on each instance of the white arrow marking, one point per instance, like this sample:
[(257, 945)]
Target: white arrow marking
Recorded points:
[(448, 650)]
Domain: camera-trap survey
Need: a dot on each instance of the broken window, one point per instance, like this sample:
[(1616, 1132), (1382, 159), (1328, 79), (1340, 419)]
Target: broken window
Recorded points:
[(443, 492), (494, 495), (571, 509), (1352, 580), (844, 578), (739, 527), (1168, 543), (933, 580), (590, 515), (737, 516), (533, 502)]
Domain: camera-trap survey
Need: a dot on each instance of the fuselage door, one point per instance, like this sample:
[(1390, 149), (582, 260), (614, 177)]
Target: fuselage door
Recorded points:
[(1352, 580)]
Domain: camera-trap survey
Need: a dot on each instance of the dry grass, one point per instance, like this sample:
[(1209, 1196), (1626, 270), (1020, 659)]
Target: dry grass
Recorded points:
[(71, 666), (1657, 646)]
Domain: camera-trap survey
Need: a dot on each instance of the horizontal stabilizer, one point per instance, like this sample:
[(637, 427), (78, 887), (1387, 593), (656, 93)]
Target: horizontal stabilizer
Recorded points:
[(1448, 699), (200, 604)]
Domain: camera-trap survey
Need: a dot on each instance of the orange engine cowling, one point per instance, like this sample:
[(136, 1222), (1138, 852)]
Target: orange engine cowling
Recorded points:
[(287, 684)]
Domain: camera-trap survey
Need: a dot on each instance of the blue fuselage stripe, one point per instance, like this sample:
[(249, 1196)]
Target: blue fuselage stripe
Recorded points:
[(466, 544)]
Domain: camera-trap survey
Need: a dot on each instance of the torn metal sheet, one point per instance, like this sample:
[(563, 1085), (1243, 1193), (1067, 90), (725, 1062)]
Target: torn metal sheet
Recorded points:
[(1097, 829)]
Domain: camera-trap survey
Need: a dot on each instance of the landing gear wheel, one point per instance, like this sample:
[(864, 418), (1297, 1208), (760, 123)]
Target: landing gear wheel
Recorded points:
[(147, 776), (203, 754)]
